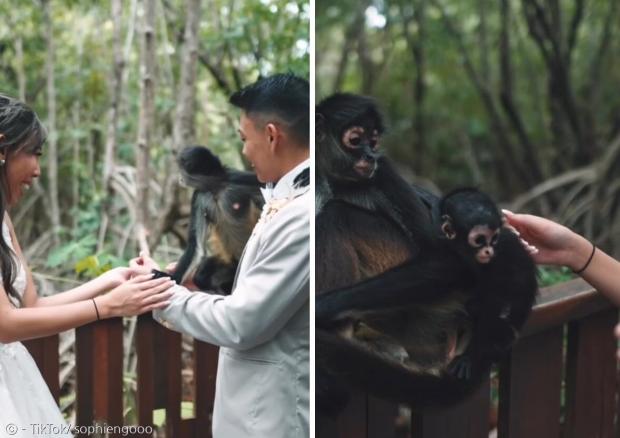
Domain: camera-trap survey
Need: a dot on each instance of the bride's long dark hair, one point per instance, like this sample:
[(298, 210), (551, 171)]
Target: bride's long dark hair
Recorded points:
[(21, 131)]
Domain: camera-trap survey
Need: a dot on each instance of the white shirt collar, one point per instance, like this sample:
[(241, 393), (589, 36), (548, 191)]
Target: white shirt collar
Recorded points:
[(285, 187)]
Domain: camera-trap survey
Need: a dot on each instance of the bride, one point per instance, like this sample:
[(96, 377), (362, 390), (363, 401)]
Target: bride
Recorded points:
[(25, 400)]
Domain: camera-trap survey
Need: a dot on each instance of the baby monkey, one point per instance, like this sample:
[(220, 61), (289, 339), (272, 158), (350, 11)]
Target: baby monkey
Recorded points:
[(504, 283)]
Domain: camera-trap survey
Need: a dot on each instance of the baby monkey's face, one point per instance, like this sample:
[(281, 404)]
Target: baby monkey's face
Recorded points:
[(482, 240)]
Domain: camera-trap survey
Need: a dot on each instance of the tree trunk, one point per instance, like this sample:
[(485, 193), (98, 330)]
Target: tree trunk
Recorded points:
[(350, 38), (52, 152), (416, 45), (146, 120), (19, 67), (116, 88), (530, 157), (183, 129), (508, 153), (483, 42), (184, 123)]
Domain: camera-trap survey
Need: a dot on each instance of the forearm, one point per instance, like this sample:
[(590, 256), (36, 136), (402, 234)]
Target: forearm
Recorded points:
[(236, 321), (603, 274), (27, 323), (83, 292)]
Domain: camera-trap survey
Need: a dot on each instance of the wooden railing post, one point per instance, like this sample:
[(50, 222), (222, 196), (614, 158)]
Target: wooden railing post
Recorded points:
[(469, 419), (108, 372), (205, 370), (84, 361), (99, 351), (44, 351), (145, 339), (530, 387), (590, 376)]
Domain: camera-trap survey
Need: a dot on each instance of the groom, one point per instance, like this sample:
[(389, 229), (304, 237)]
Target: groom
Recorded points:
[(262, 386)]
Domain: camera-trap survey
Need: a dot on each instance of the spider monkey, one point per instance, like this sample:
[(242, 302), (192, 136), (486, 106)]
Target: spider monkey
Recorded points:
[(369, 220), (497, 278), (226, 204), (505, 282), (413, 330)]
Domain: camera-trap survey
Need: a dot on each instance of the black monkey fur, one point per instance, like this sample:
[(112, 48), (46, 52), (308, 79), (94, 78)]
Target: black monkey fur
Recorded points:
[(226, 204), (384, 278), (501, 294)]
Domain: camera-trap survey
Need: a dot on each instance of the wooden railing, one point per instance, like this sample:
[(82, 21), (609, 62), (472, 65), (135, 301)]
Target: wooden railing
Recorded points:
[(99, 364), (548, 388), (559, 381)]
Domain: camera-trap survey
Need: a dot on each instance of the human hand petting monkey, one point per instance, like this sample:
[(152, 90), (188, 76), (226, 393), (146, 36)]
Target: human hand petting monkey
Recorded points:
[(548, 242), (558, 245)]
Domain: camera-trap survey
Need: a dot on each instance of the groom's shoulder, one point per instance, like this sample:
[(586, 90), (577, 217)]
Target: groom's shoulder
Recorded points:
[(295, 213)]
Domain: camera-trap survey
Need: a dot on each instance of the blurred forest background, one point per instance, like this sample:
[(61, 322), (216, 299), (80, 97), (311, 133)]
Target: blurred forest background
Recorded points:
[(518, 97), (122, 85)]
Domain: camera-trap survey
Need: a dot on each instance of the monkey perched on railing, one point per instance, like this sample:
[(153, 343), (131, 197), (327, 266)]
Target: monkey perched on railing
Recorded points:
[(226, 205), (415, 300)]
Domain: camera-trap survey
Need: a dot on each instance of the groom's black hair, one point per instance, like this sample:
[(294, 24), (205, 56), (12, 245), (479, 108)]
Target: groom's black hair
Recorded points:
[(282, 95)]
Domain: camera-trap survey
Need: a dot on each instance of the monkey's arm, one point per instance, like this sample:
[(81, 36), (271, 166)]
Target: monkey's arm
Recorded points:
[(419, 281), (216, 275), (412, 213), (273, 288)]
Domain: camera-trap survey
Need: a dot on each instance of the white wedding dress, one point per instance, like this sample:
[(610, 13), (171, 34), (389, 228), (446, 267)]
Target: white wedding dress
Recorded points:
[(27, 408)]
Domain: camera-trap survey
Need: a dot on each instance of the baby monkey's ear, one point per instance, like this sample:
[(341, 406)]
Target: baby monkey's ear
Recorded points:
[(447, 228)]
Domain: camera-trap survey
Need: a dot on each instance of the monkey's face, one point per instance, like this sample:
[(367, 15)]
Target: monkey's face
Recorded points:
[(474, 242), (482, 240), (361, 142), (349, 128)]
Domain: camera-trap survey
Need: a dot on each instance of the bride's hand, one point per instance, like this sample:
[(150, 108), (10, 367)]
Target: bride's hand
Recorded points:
[(136, 296), (116, 276)]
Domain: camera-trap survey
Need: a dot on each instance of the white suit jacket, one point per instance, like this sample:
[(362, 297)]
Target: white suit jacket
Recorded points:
[(262, 385)]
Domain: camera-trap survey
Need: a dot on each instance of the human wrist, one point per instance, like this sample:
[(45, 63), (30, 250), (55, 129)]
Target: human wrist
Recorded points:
[(579, 252), (103, 306)]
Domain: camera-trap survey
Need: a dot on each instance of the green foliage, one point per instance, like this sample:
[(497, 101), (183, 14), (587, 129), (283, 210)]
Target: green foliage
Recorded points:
[(79, 254), (548, 275), (71, 252), (254, 38), (462, 143)]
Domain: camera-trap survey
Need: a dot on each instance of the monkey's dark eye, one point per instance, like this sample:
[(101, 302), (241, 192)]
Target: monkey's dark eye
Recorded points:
[(352, 137), (355, 141), (480, 240), (495, 238)]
